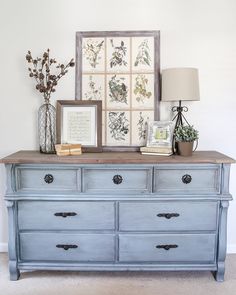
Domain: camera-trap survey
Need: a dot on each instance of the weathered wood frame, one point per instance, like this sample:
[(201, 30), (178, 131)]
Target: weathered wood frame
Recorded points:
[(91, 103), (79, 70)]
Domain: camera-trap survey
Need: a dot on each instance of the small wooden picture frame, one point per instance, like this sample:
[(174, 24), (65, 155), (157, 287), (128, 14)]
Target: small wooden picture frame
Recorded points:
[(80, 122)]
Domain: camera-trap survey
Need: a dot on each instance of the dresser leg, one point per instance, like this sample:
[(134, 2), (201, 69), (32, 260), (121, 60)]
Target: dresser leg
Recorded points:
[(14, 271), (222, 241), (220, 273)]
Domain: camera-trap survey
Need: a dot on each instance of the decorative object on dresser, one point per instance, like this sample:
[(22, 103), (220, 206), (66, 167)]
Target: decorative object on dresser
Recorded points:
[(122, 70), (68, 149), (46, 82), (117, 211), (159, 138), (180, 84), (158, 151), (80, 122), (185, 137)]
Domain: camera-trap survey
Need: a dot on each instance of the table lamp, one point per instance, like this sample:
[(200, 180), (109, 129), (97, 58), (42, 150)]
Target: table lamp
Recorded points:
[(180, 84)]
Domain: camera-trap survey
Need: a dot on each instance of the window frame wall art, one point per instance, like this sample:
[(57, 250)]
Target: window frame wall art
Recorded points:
[(121, 69), (80, 122)]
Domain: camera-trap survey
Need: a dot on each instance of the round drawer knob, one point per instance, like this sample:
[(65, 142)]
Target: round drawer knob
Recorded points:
[(117, 179), (186, 178), (48, 178)]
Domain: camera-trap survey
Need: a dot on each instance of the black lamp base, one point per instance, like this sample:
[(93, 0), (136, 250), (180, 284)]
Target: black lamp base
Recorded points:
[(180, 119)]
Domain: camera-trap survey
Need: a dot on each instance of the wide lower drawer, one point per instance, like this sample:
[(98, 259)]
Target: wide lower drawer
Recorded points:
[(167, 248), (187, 179), (45, 178), (117, 180), (66, 215), (167, 216), (66, 247)]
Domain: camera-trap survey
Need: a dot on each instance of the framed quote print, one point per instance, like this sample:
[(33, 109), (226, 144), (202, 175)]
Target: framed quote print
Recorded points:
[(120, 69), (80, 122)]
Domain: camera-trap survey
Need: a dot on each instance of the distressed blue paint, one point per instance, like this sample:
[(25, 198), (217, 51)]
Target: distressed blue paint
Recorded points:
[(116, 227)]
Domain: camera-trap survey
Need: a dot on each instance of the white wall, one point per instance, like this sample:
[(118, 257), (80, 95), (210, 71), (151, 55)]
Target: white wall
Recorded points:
[(195, 33)]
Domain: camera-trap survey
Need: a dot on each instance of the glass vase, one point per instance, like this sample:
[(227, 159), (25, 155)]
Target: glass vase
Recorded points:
[(47, 128)]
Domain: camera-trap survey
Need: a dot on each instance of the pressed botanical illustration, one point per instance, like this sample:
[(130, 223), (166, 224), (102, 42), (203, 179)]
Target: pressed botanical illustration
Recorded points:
[(118, 125), (142, 127), (92, 49), (140, 88), (143, 57), (118, 55), (94, 92), (118, 90)]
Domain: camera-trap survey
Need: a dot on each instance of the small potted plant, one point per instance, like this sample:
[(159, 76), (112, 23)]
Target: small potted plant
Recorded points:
[(185, 137)]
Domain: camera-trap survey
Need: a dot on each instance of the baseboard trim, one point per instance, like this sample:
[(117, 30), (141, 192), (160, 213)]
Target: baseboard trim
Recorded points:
[(231, 249), (3, 247)]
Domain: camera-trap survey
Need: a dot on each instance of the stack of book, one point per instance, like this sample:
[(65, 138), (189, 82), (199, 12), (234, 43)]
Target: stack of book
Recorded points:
[(68, 149), (158, 151)]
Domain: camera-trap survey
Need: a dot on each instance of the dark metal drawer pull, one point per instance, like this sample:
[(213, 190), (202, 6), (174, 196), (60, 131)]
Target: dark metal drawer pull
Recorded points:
[(166, 247), (65, 214), (168, 215), (117, 179), (48, 178), (186, 178), (66, 247)]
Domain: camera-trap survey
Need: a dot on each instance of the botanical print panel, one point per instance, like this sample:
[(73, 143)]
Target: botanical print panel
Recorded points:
[(143, 91), (143, 54), (122, 70), (118, 54), (118, 128), (139, 126), (93, 57), (93, 87), (118, 91)]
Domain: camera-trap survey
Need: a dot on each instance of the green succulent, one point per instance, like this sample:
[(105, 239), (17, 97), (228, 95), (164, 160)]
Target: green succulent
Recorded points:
[(186, 133)]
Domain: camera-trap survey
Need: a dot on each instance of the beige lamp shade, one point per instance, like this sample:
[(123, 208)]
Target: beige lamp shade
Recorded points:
[(180, 84)]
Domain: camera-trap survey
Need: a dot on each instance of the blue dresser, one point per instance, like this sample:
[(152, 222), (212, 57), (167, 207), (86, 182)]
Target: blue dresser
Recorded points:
[(117, 212)]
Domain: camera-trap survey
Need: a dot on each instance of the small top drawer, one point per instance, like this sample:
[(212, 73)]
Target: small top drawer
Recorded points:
[(187, 179), (46, 178), (117, 180)]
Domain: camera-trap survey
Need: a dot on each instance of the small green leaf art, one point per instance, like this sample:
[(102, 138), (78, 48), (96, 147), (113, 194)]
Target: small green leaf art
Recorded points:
[(140, 88), (118, 55), (118, 90), (118, 125), (142, 127), (92, 49), (94, 92), (143, 56)]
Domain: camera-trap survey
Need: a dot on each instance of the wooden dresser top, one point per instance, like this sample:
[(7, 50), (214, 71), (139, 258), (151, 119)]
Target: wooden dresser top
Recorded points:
[(35, 157)]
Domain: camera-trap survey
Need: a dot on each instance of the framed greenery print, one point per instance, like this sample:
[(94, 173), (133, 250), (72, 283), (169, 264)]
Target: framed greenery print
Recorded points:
[(80, 122), (121, 69), (160, 134)]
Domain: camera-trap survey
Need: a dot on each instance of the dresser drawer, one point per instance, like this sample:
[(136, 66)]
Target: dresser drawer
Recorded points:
[(195, 248), (167, 216), (66, 247), (187, 179), (46, 178), (66, 215), (117, 180)]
